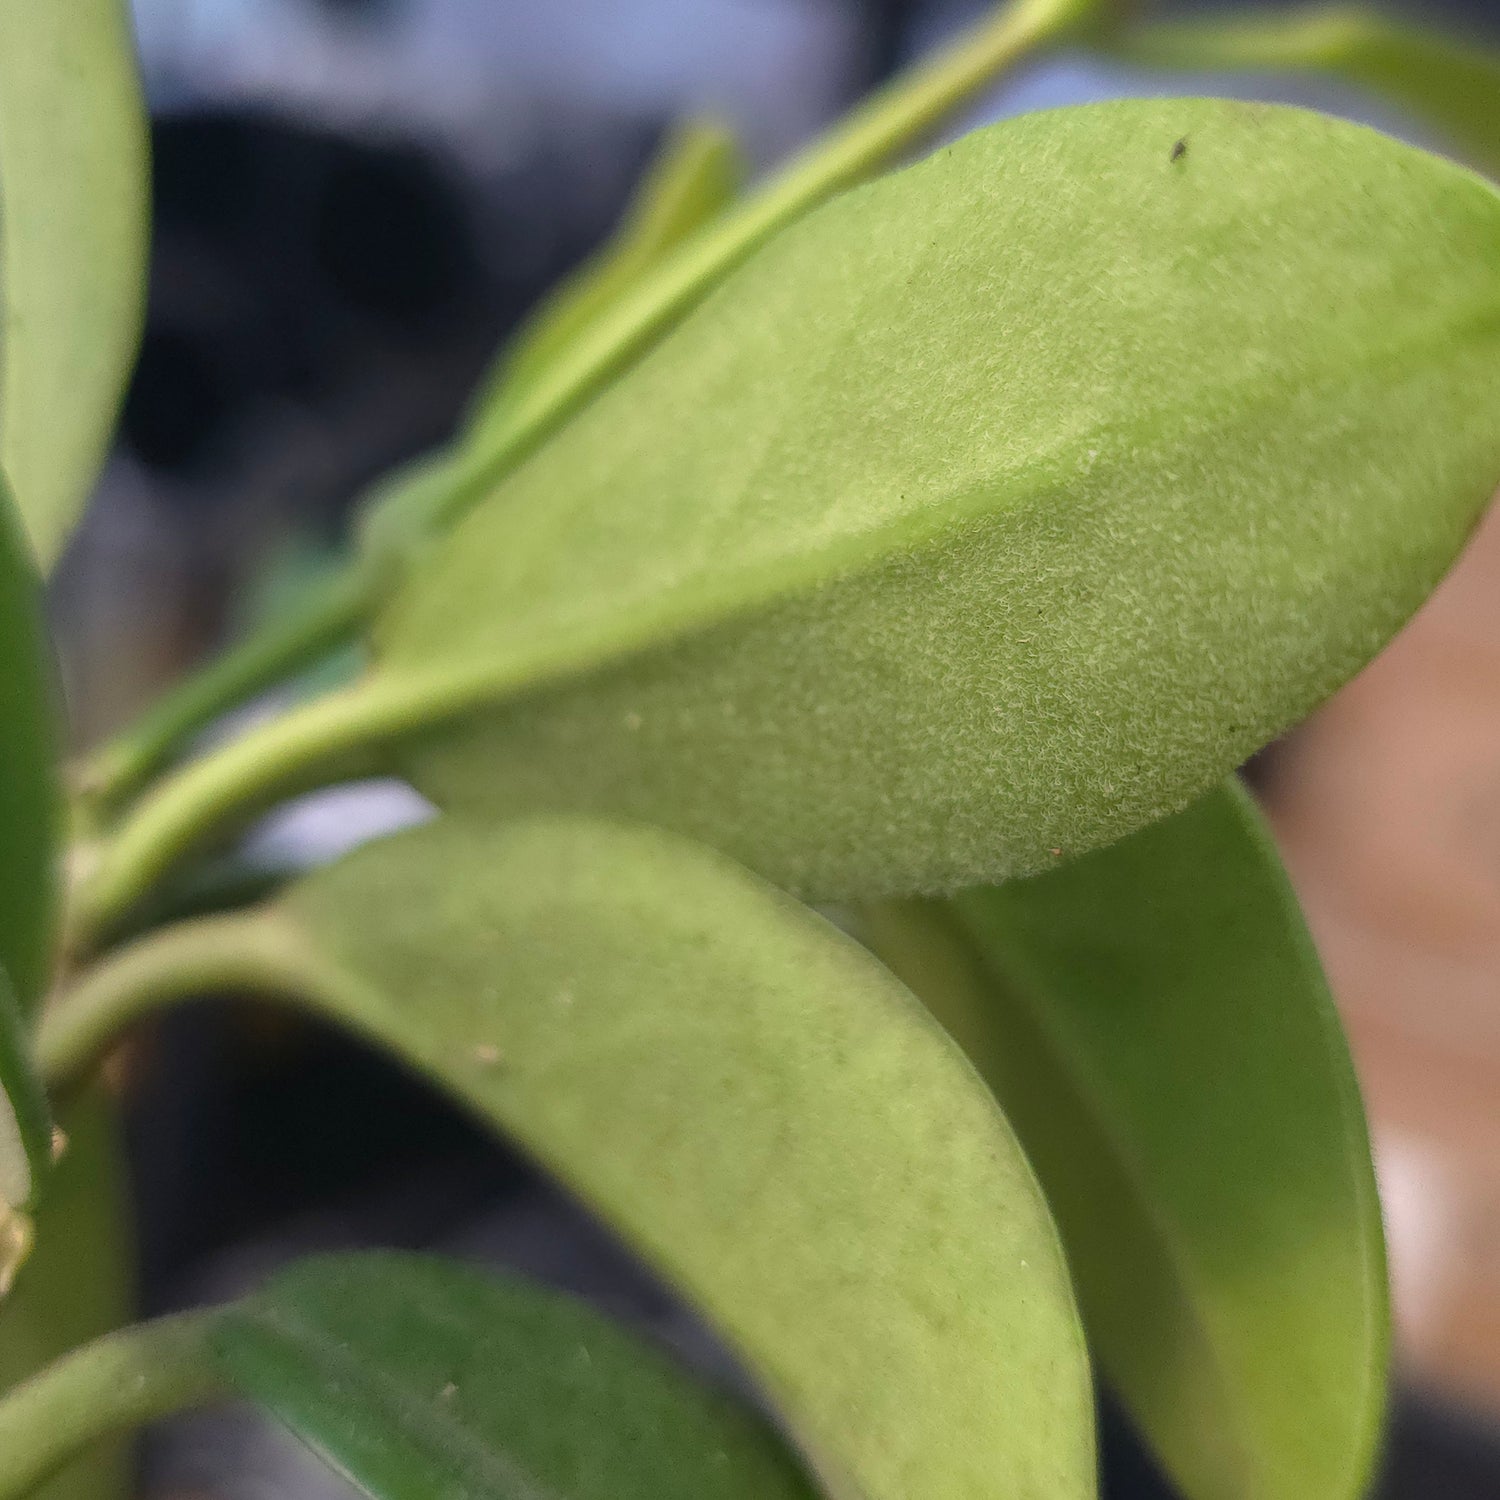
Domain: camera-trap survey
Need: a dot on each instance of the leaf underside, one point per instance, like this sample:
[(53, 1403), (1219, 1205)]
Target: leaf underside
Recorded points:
[(423, 1379), (758, 1107), (998, 507), (1155, 1023)]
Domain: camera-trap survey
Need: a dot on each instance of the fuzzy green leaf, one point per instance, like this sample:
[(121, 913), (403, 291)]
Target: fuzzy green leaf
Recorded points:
[(1450, 81), (72, 251), (756, 1105), (422, 1379), (998, 507), (1155, 1023), (77, 1284)]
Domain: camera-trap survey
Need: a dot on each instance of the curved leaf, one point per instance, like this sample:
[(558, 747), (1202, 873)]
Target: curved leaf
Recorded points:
[(77, 1284), (1451, 81), (421, 1379), (756, 1105), (28, 791), (72, 251), (1155, 1023), (998, 507), (27, 855)]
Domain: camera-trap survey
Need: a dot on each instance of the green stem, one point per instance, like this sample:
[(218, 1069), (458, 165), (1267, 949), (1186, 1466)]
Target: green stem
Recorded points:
[(239, 953), (115, 1383), (296, 641)]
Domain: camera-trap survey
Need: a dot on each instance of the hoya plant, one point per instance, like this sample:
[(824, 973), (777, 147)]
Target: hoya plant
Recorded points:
[(829, 644)]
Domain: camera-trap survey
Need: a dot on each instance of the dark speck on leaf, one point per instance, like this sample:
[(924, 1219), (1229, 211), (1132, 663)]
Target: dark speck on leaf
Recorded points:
[(1179, 148)]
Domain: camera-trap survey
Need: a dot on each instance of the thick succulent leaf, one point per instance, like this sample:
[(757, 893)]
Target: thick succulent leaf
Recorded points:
[(998, 507), (1450, 81), (757, 1106), (77, 1284), (1154, 1021), (696, 176), (422, 1379), (72, 249)]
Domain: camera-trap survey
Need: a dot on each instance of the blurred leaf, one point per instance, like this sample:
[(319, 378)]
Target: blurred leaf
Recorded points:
[(29, 796), (1451, 81), (25, 1136), (1154, 1021), (77, 1284), (28, 855), (696, 176), (422, 1379), (756, 1105), (73, 165), (998, 507)]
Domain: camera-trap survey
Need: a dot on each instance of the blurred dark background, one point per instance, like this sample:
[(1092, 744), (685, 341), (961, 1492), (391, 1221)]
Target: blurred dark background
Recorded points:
[(355, 201)]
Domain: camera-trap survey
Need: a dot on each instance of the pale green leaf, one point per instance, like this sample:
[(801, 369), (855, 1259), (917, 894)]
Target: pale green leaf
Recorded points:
[(998, 507), (755, 1104), (1155, 1023), (72, 248), (422, 1379), (1448, 80), (77, 1284)]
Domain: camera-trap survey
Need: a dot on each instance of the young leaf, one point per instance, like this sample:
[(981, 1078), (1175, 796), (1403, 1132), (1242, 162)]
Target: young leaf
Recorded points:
[(1154, 1021), (72, 249), (697, 175), (756, 1105), (997, 508), (76, 1285), (1452, 82), (422, 1379)]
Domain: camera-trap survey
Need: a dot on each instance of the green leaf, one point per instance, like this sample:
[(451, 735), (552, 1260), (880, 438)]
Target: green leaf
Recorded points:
[(1450, 81), (753, 1102), (422, 1379), (73, 251), (28, 834), (29, 799), (697, 175), (77, 1284), (998, 507), (1154, 1021)]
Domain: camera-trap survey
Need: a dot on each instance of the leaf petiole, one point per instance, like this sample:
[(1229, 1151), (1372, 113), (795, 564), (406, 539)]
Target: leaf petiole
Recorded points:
[(115, 1383)]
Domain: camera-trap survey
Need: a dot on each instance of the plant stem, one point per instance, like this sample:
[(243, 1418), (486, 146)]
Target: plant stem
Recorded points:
[(291, 643), (869, 138), (120, 1381), (243, 952), (328, 739), (872, 135)]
